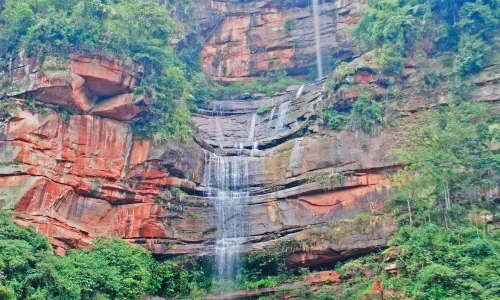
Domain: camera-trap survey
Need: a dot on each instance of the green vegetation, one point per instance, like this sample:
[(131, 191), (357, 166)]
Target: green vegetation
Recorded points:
[(289, 24), (365, 114), (444, 249), (394, 29), (112, 269), (141, 30), (441, 252), (7, 108), (266, 267), (264, 109), (271, 82)]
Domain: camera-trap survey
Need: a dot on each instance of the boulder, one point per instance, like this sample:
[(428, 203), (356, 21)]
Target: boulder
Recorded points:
[(124, 107)]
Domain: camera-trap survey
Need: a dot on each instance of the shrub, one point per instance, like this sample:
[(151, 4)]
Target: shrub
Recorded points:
[(334, 119), (366, 113), (141, 30), (264, 109), (289, 24)]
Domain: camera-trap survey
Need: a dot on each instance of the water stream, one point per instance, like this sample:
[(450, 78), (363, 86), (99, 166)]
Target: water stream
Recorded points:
[(251, 134), (319, 61), (218, 110), (227, 181), (283, 112), (271, 117)]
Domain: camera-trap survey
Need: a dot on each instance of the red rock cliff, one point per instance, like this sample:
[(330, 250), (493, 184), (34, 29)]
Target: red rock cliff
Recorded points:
[(244, 39)]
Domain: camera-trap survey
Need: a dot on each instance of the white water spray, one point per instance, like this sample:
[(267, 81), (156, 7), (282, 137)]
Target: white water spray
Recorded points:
[(226, 180), (283, 111), (251, 134), (255, 149), (271, 117), (299, 92), (319, 61)]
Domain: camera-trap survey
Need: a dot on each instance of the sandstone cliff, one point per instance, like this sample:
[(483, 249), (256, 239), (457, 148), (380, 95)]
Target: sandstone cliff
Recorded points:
[(85, 175), (244, 39), (77, 178)]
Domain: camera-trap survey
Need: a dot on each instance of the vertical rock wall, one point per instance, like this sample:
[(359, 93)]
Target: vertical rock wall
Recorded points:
[(244, 39)]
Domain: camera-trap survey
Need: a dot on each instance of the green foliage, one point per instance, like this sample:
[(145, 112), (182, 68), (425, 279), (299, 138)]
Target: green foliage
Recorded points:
[(271, 82), (266, 267), (473, 53), (333, 118), (366, 113), (394, 29), (440, 253), (141, 30), (264, 109), (441, 263), (450, 162), (7, 107), (362, 217), (289, 24), (185, 276), (112, 269), (17, 18)]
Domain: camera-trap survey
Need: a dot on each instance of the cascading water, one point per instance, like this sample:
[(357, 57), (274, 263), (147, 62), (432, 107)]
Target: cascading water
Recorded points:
[(217, 110), (271, 117), (226, 181), (283, 111), (251, 134), (299, 92), (255, 149), (319, 60)]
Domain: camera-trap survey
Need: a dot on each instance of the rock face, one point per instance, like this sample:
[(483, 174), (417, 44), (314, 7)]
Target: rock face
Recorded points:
[(99, 83), (84, 176), (244, 39)]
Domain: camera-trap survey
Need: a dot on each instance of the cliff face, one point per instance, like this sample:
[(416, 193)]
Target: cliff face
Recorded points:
[(86, 175), (77, 177), (243, 39)]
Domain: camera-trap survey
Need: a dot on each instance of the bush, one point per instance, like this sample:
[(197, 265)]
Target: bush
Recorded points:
[(289, 24), (112, 269), (334, 119), (473, 54), (264, 109), (366, 113)]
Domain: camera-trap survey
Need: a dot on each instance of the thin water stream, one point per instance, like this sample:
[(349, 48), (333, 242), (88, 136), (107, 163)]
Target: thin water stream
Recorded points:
[(316, 16)]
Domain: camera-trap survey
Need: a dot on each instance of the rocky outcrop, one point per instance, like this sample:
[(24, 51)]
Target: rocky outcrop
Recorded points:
[(98, 83), (88, 177), (244, 39)]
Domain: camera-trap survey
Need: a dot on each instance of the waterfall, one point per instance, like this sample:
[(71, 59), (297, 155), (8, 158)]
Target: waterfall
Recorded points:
[(217, 111), (283, 111), (227, 181), (271, 117), (319, 61), (251, 134), (299, 92), (255, 149)]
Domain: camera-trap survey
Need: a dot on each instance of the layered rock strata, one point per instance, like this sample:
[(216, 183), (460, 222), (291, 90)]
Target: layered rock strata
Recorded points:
[(244, 39), (87, 176)]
